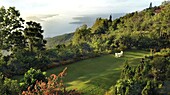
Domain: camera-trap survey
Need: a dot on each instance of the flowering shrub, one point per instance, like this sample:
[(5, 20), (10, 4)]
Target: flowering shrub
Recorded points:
[(54, 86)]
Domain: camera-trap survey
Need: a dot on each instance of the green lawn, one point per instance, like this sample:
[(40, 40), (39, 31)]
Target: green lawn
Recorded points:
[(95, 76)]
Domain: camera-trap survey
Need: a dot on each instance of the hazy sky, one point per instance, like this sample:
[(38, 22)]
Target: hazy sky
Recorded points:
[(72, 7), (46, 11)]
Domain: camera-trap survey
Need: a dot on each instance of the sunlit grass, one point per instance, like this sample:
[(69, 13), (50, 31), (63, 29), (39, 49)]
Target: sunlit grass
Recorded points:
[(95, 76)]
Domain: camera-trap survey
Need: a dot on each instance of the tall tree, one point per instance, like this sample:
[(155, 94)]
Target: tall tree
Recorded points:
[(110, 18), (33, 33), (150, 6), (10, 22)]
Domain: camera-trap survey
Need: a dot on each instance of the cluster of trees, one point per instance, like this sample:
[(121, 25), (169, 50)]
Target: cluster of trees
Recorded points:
[(24, 41), (142, 30), (22, 50), (147, 78), (61, 39), (148, 29), (25, 45)]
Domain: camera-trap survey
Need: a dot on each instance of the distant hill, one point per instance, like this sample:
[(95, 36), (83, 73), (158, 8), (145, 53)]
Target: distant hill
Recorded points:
[(146, 29), (62, 39), (89, 20)]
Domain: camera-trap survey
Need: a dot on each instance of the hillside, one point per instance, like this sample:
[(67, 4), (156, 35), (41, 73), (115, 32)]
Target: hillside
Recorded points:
[(62, 39), (92, 80), (88, 19), (129, 31), (89, 55), (144, 30)]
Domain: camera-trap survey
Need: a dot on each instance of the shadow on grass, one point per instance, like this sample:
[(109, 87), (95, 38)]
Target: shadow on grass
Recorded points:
[(95, 76), (96, 83)]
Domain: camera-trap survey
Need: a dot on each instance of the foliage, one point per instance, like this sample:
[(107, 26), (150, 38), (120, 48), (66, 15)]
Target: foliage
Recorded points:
[(8, 86), (54, 86), (30, 78), (147, 29), (33, 33), (23, 41), (127, 72), (62, 39), (146, 77), (10, 24)]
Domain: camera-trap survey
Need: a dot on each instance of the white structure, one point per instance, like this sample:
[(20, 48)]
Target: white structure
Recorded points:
[(5, 52), (119, 54)]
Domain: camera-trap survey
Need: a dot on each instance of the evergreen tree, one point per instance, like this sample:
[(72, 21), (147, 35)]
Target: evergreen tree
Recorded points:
[(110, 18), (10, 23), (33, 33), (150, 6)]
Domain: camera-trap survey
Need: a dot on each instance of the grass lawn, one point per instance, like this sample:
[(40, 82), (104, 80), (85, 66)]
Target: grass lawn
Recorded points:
[(95, 76)]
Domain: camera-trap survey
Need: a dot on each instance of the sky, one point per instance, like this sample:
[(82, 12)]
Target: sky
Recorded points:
[(55, 14)]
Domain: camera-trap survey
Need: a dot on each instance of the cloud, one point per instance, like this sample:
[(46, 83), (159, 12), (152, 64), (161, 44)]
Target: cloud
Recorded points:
[(41, 18), (76, 22), (34, 18), (48, 16)]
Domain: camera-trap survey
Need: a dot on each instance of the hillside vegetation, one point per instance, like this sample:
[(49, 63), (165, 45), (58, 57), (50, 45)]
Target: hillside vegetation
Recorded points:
[(62, 39), (148, 29)]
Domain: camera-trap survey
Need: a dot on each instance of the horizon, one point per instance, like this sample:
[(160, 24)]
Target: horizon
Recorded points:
[(58, 17)]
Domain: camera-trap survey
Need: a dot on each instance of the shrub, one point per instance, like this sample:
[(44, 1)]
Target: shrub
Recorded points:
[(54, 86), (8, 86), (30, 78)]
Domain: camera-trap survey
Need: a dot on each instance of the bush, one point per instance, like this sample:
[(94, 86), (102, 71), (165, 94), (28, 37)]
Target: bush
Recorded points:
[(54, 86), (8, 86), (30, 78)]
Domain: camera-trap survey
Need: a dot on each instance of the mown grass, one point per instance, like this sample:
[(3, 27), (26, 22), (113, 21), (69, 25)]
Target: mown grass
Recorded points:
[(95, 76)]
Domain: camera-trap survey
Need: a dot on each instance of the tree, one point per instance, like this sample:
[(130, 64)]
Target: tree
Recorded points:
[(110, 18), (17, 40), (10, 23), (159, 68), (33, 33), (81, 34), (149, 89), (127, 72), (150, 6)]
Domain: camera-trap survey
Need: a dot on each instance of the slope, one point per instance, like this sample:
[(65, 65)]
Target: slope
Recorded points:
[(62, 39), (95, 76)]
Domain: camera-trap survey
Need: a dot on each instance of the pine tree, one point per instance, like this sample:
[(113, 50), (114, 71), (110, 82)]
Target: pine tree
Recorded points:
[(110, 18), (150, 6), (33, 33)]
